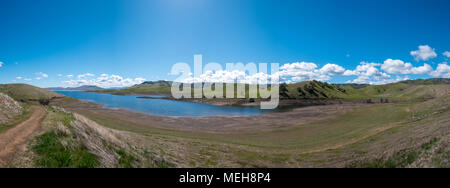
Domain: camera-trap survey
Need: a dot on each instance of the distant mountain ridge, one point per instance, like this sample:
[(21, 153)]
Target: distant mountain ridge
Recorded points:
[(81, 88)]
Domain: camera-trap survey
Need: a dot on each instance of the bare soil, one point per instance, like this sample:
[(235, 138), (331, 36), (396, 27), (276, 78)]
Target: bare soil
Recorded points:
[(15, 139)]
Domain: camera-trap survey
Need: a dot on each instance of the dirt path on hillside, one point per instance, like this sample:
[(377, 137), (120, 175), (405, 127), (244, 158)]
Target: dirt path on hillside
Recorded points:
[(15, 138)]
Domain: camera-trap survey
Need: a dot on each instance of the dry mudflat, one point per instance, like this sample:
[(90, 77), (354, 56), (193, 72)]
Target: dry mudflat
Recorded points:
[(218, 124)]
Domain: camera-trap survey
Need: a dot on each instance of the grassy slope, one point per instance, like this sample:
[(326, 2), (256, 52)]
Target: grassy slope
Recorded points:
[(379, 126), (313, 90), (24, 92), (22, 117), (287, 147), (57, 148), (305, 137), (402, 91), (70, 141), (148, 88)]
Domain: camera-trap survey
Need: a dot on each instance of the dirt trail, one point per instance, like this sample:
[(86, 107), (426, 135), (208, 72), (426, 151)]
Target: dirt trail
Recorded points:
[(15, 138)]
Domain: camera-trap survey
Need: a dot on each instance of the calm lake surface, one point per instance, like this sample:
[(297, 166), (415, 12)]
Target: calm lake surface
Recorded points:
[(161, 107)]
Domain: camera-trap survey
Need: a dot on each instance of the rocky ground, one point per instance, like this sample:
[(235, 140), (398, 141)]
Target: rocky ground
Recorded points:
[(9, 109)]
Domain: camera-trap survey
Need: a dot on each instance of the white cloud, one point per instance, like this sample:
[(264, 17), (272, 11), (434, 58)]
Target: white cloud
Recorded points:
[(399, 67), (378, 80), (27, 79), (368, 73), (360, 80), (424, 53), (224, 76), (446, 54), (69, 76), (368, 69), (41, 74), (1, 64), (303, 71), (85, 75), (303, 66), (291, 72), (60, 75), (442, 71), (365, 69), (396, 67), (19, 78), (106, 81), (425, 69), (333, 69)]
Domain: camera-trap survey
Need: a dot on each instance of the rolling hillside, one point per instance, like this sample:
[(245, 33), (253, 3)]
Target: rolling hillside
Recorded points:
[(24, 92), (401, 91), (312, 90), (150, 84), (406, 90)]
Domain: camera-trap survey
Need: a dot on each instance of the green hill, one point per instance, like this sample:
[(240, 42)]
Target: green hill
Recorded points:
[(405, 90), (432, 81), (24, 92), (312, 90), (151, 84), (147, 88)]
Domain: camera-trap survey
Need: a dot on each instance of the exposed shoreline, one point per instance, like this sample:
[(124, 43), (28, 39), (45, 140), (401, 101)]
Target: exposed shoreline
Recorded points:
[(244, 102), (214, 124)]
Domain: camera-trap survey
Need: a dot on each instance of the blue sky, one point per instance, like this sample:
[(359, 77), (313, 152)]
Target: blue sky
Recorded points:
[(42, 42)]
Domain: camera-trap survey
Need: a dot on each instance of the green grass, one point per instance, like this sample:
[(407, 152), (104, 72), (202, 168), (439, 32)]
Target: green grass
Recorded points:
[(53, 154), (125, 159), (57, 149), (442, 159), (430, 144), (24, 92), (280, 147), (399, 160), (342, 128), (18, 119)]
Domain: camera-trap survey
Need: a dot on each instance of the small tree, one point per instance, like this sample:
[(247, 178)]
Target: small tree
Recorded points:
[(44, 102)]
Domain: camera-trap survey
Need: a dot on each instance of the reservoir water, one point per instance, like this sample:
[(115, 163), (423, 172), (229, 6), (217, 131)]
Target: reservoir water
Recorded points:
[(161, 107)]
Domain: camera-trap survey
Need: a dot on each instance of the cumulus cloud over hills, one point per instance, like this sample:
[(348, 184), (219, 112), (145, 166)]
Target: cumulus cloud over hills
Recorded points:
[(424, 53), (443, 71), (390, 70), (399, 67), (105, 81)]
